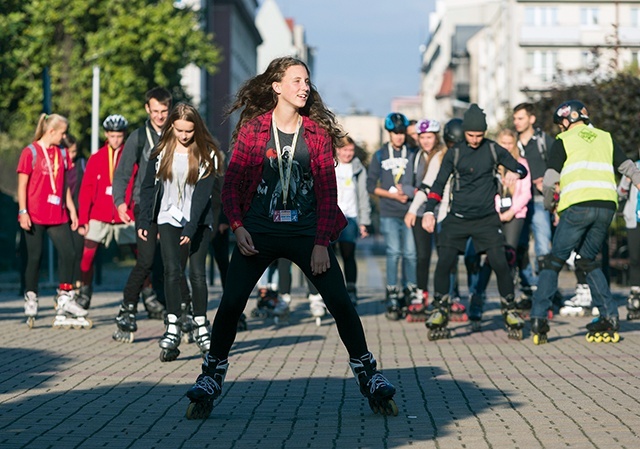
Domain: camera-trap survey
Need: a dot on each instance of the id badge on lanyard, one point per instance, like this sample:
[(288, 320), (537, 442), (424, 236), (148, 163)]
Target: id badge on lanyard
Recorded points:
[(285, 215)]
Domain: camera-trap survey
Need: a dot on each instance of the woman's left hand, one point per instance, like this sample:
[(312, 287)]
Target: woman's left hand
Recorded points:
[(319, 260), (184, 240)]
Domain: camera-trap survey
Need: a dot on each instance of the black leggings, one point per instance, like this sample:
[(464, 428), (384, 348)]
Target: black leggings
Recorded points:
[(424, 248), (448, 258), (174, 257), (62, 240), (512, 230), (244, 272)]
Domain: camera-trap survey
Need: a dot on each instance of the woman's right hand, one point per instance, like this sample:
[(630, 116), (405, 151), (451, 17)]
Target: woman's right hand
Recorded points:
[(245, 242), (142, 233), (25, 221)]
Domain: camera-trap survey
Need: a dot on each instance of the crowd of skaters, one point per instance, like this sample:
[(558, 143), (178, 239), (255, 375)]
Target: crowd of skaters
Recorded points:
[(294, 190)]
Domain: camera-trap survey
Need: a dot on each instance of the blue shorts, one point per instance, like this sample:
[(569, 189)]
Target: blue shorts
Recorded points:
[(350, 233)]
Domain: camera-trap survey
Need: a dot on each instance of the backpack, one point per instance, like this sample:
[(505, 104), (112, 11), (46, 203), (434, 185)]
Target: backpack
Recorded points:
[(456, 156), (541, 141), (34, 154)]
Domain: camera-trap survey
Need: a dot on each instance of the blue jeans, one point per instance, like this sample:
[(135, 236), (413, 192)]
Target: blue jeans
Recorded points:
[(583, 229), (400, 244), (539, 223)]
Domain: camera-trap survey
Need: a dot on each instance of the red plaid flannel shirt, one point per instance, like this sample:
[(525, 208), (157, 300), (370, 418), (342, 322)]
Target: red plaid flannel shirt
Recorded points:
[(245, 173)]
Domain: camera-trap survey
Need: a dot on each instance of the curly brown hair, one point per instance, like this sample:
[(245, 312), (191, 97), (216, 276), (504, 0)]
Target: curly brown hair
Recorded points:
[(199, 149), (256, 97)]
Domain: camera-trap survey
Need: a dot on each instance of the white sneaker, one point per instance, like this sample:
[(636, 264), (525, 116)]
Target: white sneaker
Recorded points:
[(68, 304), (316, 305), (30, 304)]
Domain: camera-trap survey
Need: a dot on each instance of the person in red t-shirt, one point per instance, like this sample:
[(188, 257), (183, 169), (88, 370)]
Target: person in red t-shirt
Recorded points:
[(45, 205), (98, 218)]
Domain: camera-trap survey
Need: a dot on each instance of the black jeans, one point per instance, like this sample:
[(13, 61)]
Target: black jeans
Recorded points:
[(244, 272), (424, 249), (142, 268), (62, 240), (174, 257)]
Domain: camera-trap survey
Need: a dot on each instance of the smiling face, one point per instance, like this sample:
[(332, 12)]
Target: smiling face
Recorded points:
[(294, 87), (158, 113), (427, 142), (183, 131)]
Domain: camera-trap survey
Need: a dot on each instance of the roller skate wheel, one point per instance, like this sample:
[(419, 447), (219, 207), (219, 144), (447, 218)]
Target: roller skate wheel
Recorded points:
[(515, 334), (476, 326), (169, 355), (199, 410), (31, 321), (89, 324), (318, 321), (392, 315), (539, 339), (590, 338)]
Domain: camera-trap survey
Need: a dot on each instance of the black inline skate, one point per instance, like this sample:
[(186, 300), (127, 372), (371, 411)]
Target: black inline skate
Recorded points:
[(83, 298), (476, 306), (373, 385), (242, 323), (394, 304), (126, 322), (154, 308), (512, 319), (633, 304), (603, 330), (171, 339), (539, 330), (524, 301), (439, 319), (207, 388)]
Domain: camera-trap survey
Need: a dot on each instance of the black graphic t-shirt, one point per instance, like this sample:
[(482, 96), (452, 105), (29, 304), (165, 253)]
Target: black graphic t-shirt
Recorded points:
[(268, 197)]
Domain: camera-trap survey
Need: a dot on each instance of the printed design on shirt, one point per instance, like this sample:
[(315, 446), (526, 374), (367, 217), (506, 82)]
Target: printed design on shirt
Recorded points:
[(269, 191), (396, 165), (587, 135)]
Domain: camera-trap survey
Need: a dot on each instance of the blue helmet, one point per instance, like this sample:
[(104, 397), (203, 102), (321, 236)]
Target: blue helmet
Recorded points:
[(396, 122)]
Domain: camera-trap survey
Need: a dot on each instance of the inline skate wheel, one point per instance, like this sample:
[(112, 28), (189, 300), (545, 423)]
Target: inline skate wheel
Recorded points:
[(169, 355), (539, 339), (31, 321), (392, 315), (476, 326), (123, 336), (514, 334), (386, 407), (199, 410)]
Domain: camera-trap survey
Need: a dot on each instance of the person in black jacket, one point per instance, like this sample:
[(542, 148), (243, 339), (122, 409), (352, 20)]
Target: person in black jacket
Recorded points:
[(181, 179), (472, 214)]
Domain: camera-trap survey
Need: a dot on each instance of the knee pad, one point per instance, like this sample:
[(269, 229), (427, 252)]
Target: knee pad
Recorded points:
[(550, 262), (586, 265)]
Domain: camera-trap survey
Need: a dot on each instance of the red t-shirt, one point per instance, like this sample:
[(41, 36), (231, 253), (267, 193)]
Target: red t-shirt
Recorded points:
[(46, 190)]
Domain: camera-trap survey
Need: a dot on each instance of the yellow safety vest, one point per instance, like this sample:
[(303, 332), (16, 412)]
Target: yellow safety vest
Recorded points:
[(587, 174)]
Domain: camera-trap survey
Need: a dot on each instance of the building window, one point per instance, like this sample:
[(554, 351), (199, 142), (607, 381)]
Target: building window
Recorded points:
[(635, 17), (589, 16), (542, 64), (588, 60), (537, 16)]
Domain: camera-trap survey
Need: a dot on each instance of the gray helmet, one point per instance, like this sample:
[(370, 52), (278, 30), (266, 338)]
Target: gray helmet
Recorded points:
[(115, 122), (572, 110)]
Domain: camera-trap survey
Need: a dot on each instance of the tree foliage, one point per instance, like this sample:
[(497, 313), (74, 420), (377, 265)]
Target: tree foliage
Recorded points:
[(138, 44)]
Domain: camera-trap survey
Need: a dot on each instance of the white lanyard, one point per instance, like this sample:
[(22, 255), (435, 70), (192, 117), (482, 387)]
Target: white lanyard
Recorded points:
[(403, 155), (51, 170), (285, 180)]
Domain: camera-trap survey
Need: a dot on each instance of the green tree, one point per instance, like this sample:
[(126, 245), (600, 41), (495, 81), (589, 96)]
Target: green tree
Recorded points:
[(138, 44)]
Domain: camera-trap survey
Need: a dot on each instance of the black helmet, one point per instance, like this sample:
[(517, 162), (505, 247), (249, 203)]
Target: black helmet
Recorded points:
[(453, 131), (115, 122), (572, 110), (396, 122)]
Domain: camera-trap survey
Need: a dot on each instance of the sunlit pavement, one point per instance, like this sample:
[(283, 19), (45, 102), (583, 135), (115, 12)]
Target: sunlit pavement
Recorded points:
[(289, 386)]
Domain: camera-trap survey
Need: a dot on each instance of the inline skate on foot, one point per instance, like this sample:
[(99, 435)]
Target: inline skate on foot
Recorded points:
[(476, 306), (633, 304), (186, 323), (317, 308), (439, 319), (31, 308), (524, 302), (154, 308), (579, 304), (242, 323), (83, 298), (513, 322), (417, 310), (69, 313), (458, 311), (171, 339), (373, 385), (266, 302), (603, 330), (539, 330), (207, 388), (394, 304), (202, 334), (126, 323), (352, 291)]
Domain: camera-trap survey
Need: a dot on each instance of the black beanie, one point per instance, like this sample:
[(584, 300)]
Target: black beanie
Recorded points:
[(474, 119)]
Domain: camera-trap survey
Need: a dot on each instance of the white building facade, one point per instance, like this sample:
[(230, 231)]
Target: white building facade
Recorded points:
[(520, 49)]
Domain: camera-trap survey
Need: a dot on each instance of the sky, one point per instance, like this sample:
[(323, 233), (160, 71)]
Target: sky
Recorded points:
[(366, 51)]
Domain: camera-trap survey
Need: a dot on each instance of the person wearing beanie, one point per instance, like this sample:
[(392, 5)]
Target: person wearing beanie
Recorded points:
[(473, 165)]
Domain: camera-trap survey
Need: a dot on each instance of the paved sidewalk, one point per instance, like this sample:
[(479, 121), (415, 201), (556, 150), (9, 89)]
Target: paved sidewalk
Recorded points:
[(290, 386)]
